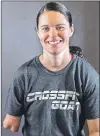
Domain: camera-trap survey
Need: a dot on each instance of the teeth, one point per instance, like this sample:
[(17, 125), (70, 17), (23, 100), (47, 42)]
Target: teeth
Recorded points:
[(56, 42)]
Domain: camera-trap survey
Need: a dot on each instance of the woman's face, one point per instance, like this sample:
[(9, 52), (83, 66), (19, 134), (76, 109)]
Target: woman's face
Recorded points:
[(54, 32)]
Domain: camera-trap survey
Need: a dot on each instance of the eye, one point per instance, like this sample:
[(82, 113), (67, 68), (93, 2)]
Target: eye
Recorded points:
[(60, 28), (45, 29)]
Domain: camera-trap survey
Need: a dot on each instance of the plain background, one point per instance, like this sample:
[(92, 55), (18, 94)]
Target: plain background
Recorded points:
[(20, 42)]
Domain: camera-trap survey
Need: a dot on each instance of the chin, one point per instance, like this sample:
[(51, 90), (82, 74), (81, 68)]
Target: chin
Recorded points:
[(55, 53)]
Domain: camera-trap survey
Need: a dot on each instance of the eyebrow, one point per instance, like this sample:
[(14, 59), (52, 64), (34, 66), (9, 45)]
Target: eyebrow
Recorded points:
[(43, 25), (61, 24), (56, 25)]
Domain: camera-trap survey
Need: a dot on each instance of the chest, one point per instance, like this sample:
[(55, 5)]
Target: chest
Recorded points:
[(62, 92)]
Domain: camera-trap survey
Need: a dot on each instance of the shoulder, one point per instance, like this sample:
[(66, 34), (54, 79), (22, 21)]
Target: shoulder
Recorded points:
[(27, 67), (86, 71), (85, 65), (88, 75)]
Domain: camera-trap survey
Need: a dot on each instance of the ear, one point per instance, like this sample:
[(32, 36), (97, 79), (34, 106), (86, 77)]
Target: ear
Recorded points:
[(37, 31), (72, 30)]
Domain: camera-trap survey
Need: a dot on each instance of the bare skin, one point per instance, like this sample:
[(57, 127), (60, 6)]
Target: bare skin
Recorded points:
[(93, 127), (55, 62), (54, 27), (12, 122)]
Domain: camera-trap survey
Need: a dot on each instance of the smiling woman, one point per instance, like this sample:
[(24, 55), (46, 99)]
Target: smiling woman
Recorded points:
[(54, 32), (56, 91), (54, 28)]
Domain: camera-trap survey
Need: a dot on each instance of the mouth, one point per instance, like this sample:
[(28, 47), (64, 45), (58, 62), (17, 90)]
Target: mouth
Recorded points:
[(54, 42)]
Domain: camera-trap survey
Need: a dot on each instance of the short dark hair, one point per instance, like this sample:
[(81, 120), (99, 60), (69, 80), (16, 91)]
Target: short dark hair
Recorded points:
[(55, 6)]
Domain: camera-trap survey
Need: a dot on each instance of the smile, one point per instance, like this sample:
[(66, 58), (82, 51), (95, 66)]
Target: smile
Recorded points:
[(54, 42)]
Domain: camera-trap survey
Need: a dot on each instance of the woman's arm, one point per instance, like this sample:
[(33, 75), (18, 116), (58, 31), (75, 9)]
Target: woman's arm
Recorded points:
[(12, 122), (93, 127)]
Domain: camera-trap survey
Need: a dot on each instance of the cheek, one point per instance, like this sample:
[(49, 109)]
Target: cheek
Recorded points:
[(43, 37), (66, 35)]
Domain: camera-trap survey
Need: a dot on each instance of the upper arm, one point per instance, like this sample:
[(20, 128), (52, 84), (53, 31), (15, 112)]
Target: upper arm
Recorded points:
[(91, 92), (14, 106), (91, 100), (12, 122), (15, 99), (93, 126)]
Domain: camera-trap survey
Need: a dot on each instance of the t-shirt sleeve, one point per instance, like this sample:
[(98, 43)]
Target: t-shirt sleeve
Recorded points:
[(91, 94), (15, 98)]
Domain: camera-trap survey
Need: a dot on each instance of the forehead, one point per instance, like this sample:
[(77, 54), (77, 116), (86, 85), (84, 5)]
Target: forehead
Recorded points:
[(52, 18)]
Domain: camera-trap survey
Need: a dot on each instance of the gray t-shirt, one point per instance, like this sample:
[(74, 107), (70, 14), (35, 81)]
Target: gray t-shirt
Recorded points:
[(54, 103)]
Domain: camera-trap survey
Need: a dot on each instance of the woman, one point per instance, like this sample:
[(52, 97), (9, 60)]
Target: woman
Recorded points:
[(56, 91)]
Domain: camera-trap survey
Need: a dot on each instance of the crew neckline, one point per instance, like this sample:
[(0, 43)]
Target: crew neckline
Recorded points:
[(43, 68)]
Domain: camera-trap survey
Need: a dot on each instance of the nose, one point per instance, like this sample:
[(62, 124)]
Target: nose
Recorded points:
[(53, 32)]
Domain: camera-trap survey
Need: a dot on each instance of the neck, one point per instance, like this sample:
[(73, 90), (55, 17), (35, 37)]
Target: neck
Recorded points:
[(55, 62)]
